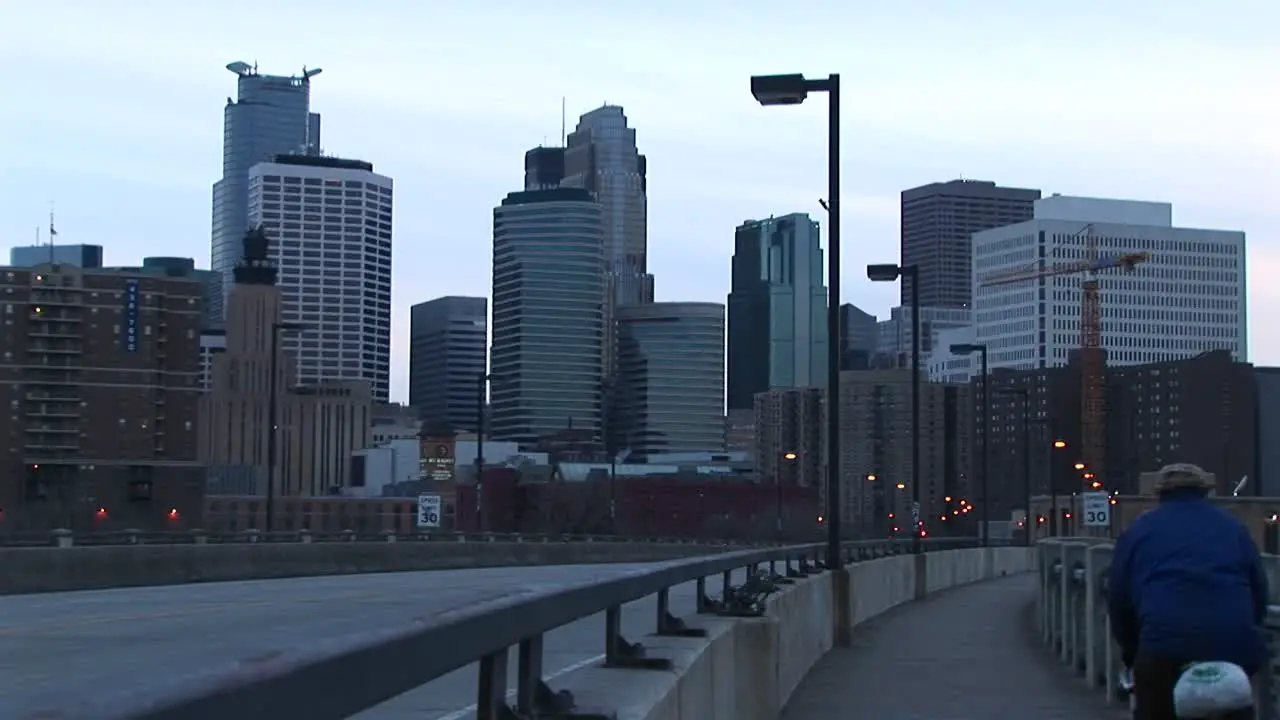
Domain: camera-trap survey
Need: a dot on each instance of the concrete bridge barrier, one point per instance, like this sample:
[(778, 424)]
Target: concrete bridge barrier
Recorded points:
[(747, 668), (51, 569)]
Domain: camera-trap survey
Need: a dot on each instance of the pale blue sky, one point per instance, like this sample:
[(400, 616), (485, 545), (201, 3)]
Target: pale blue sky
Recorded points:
[(113, 108)]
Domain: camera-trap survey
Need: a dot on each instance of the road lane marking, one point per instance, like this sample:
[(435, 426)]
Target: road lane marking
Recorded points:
[(511, 694), (208, 608)]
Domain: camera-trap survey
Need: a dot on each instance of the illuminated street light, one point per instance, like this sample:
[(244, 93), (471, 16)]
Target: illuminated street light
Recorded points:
[(1059, 444)]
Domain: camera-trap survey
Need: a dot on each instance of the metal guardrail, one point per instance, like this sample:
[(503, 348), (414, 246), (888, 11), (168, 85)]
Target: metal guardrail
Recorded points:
[(339, 678), (66, 538), (1072, 611)]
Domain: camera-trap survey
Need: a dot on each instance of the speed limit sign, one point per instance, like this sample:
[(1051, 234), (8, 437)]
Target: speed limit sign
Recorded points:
[(428, 511), (1097, 509)]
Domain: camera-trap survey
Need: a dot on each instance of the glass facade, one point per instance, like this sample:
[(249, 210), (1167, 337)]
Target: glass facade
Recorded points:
[(270, 116), (670, 381), (777, 327), (548, 316), (447, 347)]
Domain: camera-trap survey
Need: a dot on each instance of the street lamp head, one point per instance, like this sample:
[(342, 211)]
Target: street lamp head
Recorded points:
[(779, 89), (964, 348), (1059, 444), (883, 273), (789, 456)]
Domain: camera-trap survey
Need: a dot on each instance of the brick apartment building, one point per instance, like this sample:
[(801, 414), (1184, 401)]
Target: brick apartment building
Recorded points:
[(99, 372), (1200, 410)]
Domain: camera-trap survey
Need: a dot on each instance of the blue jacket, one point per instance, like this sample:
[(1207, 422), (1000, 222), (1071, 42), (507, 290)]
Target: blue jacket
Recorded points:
[(1187, 584)]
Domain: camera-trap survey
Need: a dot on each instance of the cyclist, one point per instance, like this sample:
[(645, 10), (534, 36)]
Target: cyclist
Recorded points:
[(1186, 585)]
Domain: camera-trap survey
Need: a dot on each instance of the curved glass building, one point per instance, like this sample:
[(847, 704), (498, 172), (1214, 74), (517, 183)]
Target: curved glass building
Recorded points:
[(548, 316)]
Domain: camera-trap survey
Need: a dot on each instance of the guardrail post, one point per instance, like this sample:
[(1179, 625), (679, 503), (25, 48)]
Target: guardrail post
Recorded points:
[(348, 535), (1064, 588), (703, 602), (491, 698), (669, 624), (132, 536), (199, 537), (389, 536), (62, 538), (620, 653), (251, 535), (304, 536), (1095, 611)]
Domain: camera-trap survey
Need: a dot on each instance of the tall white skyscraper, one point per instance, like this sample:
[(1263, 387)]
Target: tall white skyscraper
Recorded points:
[(1187, 298), (329, 221)]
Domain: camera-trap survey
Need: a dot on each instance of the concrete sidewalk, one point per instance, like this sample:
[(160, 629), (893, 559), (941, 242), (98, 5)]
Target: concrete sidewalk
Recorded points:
[(964, 654)]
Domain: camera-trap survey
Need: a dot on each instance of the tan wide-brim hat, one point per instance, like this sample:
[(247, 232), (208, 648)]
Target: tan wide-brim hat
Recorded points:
[(1183, 475)]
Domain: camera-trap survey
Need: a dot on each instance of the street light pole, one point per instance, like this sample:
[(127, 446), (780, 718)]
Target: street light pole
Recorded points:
[(787, 457), (1026, 461), (273, 391), (984, 515), (272, 401), (890, 273), (481, 379), (913, 272), (792, 90)]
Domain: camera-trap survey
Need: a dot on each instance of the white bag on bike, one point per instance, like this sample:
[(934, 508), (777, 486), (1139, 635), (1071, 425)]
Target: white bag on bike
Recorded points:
[(1207, 689)]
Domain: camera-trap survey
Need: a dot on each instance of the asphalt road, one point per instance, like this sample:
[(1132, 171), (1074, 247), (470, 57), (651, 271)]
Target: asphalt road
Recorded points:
[(62, 647)]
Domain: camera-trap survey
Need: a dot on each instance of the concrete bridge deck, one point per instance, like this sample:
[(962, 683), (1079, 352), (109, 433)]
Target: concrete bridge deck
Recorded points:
[(971, 652)]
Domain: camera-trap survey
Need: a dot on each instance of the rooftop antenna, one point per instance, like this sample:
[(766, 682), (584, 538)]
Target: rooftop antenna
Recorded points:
[(562, 123), (52, 232)]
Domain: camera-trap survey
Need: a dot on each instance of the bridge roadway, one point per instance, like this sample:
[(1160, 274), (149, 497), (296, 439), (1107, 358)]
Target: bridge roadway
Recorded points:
[(57, 648)]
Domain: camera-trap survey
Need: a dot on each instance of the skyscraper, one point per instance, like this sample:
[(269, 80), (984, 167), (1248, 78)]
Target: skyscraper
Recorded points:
[(858, 337), (329, 221), (777, 309), (938, 222), (669, 394), (548, 319), (447, 344), (270, 116), (543, 168), (601, 157)]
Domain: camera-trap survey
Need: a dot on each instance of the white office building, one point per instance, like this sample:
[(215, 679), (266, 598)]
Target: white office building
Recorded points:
[(329, 221), (893, 336), (1188, 298)]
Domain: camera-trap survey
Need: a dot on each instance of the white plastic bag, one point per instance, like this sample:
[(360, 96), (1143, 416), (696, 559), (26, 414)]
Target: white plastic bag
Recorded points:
[(1208, 689)]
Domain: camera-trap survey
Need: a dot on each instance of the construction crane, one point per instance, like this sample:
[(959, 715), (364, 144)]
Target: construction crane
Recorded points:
[(1092, 362)]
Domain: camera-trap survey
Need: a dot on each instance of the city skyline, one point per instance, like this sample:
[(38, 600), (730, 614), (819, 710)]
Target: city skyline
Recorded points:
[(138, 182)]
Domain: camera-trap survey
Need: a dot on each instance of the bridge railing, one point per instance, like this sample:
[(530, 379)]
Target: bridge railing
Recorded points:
[(67, 538), (338, 678), (1074, 623)]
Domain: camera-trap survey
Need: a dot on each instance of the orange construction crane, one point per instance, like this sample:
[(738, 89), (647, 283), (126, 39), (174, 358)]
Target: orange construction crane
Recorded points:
[(1093, 412)]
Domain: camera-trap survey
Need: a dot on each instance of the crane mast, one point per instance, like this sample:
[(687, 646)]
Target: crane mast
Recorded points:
[(1093, 371)]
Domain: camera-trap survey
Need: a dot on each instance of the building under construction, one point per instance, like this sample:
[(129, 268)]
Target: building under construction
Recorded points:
[(1105, 282)]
